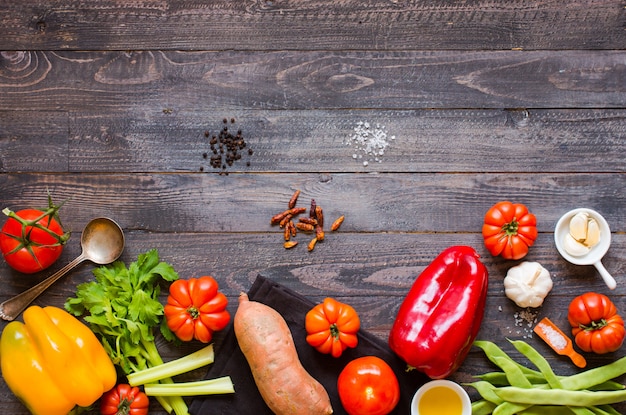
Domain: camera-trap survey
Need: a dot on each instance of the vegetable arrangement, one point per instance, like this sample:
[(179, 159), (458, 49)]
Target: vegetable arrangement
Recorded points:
[(31, 240), (449, 293), (517, 389), (266, 342), (436, 325), (122, 307), (52, 362)]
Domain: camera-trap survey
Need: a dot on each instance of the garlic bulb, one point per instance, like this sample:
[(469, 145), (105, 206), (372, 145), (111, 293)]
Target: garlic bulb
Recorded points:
[(527, 284)]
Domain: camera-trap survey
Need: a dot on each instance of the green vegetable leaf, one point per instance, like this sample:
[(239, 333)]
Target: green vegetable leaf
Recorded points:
[(144, 308), (122, 307)]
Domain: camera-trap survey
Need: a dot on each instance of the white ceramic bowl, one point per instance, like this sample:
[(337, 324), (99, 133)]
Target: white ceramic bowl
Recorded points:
[(594, 256), (466, 404)]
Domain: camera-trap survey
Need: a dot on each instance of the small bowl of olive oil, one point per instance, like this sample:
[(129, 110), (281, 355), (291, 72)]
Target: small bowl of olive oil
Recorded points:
[(441, 397)]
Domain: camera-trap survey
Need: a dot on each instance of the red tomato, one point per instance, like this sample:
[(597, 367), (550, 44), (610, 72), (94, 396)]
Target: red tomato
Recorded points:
[(31, 240), (124, 400), (596, 326), (195, 309), (509, 229), (368, 386)]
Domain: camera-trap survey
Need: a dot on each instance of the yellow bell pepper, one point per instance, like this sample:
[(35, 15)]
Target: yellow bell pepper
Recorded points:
[(53, 362)]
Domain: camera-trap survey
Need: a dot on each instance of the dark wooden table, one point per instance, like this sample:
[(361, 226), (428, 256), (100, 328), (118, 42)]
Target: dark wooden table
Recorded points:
[(106, 104)]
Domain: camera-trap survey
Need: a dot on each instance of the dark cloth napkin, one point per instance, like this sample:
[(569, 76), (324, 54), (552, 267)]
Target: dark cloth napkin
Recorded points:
[(229, 361)]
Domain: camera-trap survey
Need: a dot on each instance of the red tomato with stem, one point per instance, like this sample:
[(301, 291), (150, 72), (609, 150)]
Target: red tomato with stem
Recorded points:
[(368, 386), (596, 325), (195, 309), (124, 400), (31, 239), (509, 229)]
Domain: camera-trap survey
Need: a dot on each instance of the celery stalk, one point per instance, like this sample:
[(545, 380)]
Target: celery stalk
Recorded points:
[(202, 387), (195, 360)]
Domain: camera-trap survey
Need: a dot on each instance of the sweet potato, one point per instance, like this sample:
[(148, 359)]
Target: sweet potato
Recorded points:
[(267, 344)]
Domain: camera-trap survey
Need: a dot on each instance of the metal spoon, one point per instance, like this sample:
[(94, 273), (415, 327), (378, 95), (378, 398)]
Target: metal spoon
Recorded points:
[(102, 242)]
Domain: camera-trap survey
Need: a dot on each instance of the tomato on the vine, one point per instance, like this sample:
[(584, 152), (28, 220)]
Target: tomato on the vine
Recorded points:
[(368, 386), (32, 239), (195, 309), (596, 325), (509, 229), (332, 327), (124, 400)]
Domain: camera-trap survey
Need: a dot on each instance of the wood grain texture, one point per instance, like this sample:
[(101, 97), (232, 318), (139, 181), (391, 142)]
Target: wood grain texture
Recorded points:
[(314, 25), (372, 203), (418, 141), (175, 81), (106, 105)]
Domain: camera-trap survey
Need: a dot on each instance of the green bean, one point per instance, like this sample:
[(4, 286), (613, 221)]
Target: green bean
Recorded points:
[(546, 409), (539, 361), (487, 391), (482, 407), (609, 385), (510, 408), (606, 410), (580, 410), (595, 376), (492, 350), (513, 373), (559, 396), (499, 378)]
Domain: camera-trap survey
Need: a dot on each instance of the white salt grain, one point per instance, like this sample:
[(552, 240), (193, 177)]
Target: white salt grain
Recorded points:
[(372, 141), (555, 338)]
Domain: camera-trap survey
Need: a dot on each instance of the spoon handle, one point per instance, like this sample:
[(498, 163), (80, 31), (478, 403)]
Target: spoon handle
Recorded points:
[(608, 278), (11, 308)]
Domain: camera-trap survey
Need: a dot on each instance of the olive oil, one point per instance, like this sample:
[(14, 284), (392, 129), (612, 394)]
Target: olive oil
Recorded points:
[(440, 400)]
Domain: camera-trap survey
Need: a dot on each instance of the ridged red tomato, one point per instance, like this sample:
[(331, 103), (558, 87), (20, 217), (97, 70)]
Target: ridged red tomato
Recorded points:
[(124, 400), (509, 229), (195, 309), (332, 327), (596, 326)]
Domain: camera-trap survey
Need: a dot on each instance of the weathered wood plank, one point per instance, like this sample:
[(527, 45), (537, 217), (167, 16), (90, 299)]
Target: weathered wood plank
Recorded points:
[(363, 266), (34, 141), (219, 82), (318, 140), (420, 203), (313, 141), (313, 25)]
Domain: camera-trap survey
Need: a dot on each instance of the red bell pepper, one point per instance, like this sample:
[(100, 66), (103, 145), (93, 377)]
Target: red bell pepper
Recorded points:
[(440, 317)]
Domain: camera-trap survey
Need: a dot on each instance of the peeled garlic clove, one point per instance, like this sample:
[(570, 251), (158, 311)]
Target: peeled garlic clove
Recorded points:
[(573, 247), (578, 226), (593, 233)]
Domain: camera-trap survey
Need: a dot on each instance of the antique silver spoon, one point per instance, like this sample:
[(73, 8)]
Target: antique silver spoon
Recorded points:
[(102, 242)]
